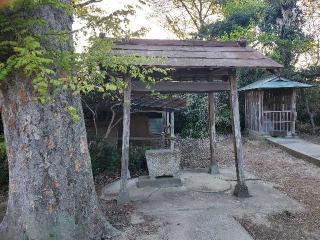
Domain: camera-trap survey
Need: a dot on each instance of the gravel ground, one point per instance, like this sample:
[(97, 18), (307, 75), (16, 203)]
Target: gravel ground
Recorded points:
[(299, 179), (311, 138)]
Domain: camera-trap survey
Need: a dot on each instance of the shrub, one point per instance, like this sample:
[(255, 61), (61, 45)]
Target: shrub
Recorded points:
[(138, 162), (106, 158)]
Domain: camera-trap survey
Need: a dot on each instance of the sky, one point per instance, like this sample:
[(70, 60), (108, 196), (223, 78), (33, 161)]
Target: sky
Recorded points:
[(141, 18)]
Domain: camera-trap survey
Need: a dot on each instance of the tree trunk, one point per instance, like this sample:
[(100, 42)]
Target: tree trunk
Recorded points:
[(51, 188), (309, 112), (311, 116)]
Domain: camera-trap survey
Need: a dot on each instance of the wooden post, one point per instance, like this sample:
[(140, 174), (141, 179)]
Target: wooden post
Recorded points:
[(260, 111), (241, 189), (167, 123), (124, 194), (294, 112), (172, 130), (214, 168)]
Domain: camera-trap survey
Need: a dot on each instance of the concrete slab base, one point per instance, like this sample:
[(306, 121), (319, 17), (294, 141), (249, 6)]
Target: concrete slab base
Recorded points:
[(123, 198), (162, 182), (202, 226), (185, 213), (205, 183), (214, 169)]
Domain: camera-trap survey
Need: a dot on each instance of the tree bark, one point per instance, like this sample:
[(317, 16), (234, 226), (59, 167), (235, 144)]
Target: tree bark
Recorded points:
[(311, 116), (51, 188)]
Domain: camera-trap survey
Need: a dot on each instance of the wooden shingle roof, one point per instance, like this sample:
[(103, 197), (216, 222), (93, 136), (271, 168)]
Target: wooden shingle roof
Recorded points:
[(196, 53)]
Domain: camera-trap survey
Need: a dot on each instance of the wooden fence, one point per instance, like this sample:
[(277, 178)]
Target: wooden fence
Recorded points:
[(278, 121)]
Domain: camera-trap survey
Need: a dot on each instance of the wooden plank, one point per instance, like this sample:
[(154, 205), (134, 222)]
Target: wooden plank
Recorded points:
[(212, 63), (169, 42), (167, 123), (182, 48), (294, 111), (191, 54), (124, 194), (172, 141), (214, 169), (241, 190), (260, 110), (181, 87)]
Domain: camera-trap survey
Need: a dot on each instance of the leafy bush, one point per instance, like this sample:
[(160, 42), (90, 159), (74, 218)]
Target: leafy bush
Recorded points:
[(138, 162), (105, 157)]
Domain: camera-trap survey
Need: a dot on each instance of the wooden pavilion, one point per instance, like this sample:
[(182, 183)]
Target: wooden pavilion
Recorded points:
[(200, 67), (270, 106)]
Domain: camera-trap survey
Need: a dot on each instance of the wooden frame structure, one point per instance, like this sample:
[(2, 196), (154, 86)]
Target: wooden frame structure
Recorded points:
[(270, 106), (200, 66)]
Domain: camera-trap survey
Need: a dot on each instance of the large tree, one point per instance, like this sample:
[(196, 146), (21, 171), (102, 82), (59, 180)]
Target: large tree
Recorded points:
[(51, 188)]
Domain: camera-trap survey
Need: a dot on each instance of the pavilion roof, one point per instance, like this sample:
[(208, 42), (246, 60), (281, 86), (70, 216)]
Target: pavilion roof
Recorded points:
[(196, 53), (274, 82)]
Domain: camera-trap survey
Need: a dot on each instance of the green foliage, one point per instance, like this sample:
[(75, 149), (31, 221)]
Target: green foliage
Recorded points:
[(101, 71), (73, 113), (192, 122), (239, 20), (106, 158), (137, 160), (96, 69), (276, 28), (30, 58)]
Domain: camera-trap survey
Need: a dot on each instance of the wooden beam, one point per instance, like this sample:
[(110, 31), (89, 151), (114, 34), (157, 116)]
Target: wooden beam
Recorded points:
[(124, 194), (172, 130), (294, 111), (165, 42), (214, 169), (181, 87), (241, 189), (260, 117)]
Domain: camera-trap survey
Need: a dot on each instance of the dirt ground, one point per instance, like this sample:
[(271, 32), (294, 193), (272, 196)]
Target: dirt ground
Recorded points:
[(311, 138), (297, 178)]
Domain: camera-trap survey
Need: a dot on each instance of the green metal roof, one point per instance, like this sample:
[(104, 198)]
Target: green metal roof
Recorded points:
[(274, 82)]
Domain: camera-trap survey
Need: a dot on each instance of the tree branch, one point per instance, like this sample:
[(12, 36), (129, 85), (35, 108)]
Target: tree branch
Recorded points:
[(190, 14), (207, 12), (94, 114), (111, 125), (87, 3)]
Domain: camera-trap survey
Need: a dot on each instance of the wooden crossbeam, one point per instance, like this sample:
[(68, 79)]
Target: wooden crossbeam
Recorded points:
[(181, 87)]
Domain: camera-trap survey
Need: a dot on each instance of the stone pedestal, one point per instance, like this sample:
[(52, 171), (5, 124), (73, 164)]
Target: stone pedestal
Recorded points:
[(163, 162)]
